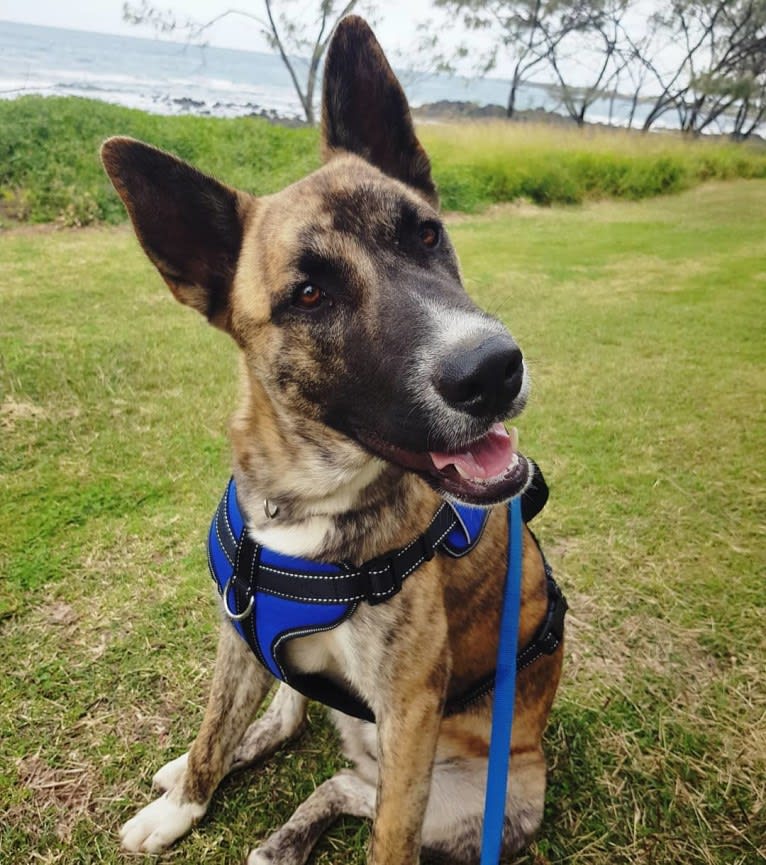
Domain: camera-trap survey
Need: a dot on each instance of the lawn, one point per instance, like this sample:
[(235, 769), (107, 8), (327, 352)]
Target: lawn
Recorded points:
[(644, 326)]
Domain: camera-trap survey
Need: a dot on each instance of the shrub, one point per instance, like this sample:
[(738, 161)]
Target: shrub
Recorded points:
[(49, 167)]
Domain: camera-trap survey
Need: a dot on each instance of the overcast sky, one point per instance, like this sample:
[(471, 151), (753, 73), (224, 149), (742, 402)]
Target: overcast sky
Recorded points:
[(395, 23), (395, 19)]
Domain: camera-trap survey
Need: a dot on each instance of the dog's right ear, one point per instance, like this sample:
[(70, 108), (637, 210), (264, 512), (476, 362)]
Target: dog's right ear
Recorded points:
[(189, 224)]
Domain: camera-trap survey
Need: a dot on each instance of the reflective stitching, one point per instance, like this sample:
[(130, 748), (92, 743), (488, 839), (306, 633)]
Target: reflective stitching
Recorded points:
[(302, 576), (305, 632), (350, 598), (220, 542), (235, 575), (225, 503), (350, 602), (346, 600), (540, 653), (532, 659), (416, 564), (213, 574), (462, 705), (415, 540), (353, 574), (254, 593)]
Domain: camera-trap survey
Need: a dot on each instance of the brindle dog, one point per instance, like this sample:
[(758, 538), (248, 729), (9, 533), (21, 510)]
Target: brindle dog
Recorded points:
[(371, 387)]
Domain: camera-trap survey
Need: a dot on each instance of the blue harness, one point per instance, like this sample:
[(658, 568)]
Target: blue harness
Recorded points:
[(272, 598)]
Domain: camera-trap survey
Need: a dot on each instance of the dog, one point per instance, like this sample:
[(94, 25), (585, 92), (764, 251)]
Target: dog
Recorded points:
[(373, 398)]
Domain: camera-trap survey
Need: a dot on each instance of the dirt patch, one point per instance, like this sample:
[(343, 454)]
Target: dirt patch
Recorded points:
[(68, 790), (11, 412), (604, 647), (59, 613), (32, 229)]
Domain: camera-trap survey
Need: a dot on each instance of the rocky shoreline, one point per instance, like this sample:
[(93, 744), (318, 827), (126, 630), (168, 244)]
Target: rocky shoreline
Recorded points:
[(447, 109)]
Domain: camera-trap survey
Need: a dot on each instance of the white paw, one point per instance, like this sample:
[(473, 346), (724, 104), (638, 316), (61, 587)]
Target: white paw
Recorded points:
[(158, 825), (256, 858), (170, 774)]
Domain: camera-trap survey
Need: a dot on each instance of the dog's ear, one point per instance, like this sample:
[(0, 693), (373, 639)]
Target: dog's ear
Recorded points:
[(365, 111), (189, 224)]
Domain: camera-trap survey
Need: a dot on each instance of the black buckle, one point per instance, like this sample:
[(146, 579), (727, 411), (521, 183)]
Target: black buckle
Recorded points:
[(427, 546), (380, 579), (549, 642), (553, 634)]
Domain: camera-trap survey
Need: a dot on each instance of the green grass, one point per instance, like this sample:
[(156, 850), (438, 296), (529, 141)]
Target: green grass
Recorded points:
[(50, 170), (644, 326), (49, 167), (478, 164)]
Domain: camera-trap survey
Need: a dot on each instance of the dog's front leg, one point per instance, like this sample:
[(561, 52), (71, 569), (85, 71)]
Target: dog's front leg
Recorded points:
[(239, 685), (408, 724)]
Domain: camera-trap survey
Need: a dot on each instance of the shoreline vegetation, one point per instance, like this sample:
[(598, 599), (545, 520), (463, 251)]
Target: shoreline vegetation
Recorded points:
[(50, 172)]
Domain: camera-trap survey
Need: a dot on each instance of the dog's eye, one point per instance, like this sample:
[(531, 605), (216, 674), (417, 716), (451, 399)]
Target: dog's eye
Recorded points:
[(308, 296), (430, 234)]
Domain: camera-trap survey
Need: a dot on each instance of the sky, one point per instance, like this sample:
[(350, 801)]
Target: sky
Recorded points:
[(395, 21)]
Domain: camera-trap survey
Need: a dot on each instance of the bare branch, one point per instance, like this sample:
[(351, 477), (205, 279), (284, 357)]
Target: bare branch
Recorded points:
[(289, 37)]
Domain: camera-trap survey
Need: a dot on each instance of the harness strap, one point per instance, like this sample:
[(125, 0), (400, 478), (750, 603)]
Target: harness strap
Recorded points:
[(547, 638), (375, 581), (271, 598)]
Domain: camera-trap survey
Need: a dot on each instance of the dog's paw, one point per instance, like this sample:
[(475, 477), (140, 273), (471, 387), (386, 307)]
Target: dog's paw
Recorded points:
[(258, 858), (158, 825), (170, 774)]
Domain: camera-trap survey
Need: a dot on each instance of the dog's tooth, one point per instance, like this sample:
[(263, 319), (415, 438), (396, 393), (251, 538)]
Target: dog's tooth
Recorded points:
[(514, 434)]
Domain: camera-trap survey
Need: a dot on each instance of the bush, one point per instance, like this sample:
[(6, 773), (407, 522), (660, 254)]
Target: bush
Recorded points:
[(49, 153), (500, 161), (49, 167)]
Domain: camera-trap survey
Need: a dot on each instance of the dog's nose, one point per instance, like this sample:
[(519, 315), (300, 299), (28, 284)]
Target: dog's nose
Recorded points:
[(484, 379)]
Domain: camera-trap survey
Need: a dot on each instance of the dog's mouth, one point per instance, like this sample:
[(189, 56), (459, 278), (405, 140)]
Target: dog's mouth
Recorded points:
[(486, 471)]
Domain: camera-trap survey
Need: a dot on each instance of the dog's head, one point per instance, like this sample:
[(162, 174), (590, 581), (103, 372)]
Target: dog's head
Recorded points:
[(343, 290)]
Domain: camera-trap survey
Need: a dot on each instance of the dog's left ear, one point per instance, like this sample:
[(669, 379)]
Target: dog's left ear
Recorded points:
[(365, 111)]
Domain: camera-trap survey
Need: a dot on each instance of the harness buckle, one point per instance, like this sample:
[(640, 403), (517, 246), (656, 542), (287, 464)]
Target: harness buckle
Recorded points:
[(549, 643), (381, 579), (427, 546), (553, 635)]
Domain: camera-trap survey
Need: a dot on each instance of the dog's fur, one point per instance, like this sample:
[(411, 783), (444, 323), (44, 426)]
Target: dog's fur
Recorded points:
[(316, 385)]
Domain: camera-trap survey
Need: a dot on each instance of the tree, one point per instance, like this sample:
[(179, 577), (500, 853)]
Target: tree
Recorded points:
[(525, 29), (298, 42), (598, 45), (734, 69), (751, 111), (722, 71)]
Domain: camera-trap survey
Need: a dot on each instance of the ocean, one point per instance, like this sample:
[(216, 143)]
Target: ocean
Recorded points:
[(175, 78)]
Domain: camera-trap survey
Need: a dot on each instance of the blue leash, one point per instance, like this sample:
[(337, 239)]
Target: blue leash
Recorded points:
[(505, 694)]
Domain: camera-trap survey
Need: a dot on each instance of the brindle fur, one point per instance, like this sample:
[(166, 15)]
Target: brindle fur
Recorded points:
[(309, 386)]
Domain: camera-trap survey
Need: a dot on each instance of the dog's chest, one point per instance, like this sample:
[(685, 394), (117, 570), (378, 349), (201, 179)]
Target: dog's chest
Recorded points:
[(320, 653)]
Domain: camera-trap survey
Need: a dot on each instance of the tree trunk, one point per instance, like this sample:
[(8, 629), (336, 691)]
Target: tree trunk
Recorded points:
[(509, 111)]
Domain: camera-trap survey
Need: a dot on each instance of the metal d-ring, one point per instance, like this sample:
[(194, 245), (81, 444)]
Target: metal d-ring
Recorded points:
[(235, 617)]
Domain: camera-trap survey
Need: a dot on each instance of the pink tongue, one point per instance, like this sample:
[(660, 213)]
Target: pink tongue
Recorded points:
[(486, 458)]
